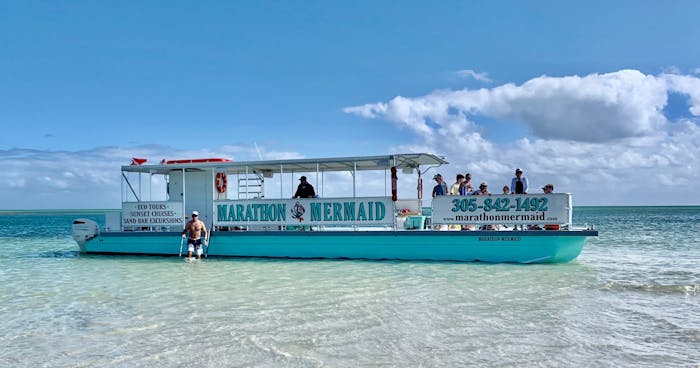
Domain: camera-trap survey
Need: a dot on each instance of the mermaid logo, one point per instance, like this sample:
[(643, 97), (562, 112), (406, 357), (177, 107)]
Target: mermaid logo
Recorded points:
[(298, 211)]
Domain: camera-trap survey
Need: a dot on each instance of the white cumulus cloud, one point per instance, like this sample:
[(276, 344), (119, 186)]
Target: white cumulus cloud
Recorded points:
[(606, 135), (89, 178)]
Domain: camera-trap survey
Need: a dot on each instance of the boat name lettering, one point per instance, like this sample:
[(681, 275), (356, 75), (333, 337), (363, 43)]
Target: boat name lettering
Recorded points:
[(337, 211), (252, 212), (499, 238), (320, 211), (347, 211)]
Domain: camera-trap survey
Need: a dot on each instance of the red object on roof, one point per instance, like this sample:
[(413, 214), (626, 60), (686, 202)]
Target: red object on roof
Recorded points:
[(137, 161), (194, 161)]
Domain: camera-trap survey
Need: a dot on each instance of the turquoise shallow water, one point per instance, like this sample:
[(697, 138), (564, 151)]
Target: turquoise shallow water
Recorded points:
[(631, 299)]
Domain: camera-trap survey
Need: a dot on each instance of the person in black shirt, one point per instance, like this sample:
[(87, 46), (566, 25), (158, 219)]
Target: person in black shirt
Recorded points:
[(304, 190)]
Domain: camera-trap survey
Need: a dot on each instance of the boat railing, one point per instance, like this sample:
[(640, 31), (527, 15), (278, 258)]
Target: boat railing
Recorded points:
[(544, 211)]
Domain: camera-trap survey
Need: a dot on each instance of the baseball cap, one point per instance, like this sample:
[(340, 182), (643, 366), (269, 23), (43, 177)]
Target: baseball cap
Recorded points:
[(195, 213), (437, 176), (302, 178), (518, 170)]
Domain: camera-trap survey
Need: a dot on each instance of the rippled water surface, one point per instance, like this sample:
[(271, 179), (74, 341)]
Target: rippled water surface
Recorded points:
[(631, 299)]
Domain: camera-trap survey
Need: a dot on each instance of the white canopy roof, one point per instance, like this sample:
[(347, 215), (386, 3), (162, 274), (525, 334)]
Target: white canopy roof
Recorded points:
[(401, 161)]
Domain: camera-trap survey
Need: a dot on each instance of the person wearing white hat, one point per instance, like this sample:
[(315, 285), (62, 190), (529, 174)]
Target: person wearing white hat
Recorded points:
[(196, 229), (519, 183)]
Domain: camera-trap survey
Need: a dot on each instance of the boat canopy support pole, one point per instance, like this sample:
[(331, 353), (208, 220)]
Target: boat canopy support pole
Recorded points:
[(214, 192), (354, 173), (130, 187), (571, 212), (281, 181), (385, 182), (395, 225), (184, 208)]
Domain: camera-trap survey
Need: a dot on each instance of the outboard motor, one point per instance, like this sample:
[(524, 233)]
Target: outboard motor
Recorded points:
[(84, 230)]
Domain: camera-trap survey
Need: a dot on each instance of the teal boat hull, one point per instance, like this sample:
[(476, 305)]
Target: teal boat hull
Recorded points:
[(486, 246)]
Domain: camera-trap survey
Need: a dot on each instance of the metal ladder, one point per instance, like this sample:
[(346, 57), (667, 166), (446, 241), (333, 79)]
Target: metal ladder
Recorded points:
[(251, 186)]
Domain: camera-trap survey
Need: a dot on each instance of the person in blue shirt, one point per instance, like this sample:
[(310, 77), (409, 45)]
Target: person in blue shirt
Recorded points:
[(519, 183), (441, 187)]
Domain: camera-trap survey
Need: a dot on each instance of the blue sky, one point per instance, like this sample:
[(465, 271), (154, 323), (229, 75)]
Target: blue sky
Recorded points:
[(98, 82)]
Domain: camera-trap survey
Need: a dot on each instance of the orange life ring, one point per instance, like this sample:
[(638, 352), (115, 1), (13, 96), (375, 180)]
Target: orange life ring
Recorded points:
[(221, 182), (394, 180), (419, 187)]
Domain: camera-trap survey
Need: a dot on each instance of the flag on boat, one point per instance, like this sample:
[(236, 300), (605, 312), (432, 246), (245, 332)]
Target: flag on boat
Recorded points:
[(138, 161)]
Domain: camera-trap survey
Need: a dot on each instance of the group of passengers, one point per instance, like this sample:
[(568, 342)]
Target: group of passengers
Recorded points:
[(463, 186)]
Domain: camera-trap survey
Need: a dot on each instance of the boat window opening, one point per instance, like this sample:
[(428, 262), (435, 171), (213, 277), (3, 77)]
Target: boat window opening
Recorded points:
[(130, 187)]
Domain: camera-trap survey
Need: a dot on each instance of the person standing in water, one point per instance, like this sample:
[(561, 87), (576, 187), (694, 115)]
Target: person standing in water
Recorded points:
[(195, 228)]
